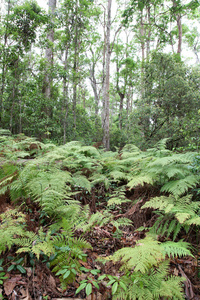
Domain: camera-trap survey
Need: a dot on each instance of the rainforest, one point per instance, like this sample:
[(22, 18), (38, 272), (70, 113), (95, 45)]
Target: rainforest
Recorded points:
[(99, 149)]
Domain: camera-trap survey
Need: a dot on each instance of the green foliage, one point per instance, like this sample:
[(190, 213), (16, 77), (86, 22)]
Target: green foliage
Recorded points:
[(16, 265), (2, 273), (12, 226), (69, 251), (174, 214), (154, 284), (164, 168), (146, 272), (60, 175)]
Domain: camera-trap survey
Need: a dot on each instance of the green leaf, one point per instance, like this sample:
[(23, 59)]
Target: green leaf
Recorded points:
[(17, 262), (61, 272), (66, 274), (111, 282), (81, 287), (95, 272), (73, 271), (122, 284), (114, 287), (21, 269), (84, 269), (88, 289), (102, 277), (11, 268), (95, 284)]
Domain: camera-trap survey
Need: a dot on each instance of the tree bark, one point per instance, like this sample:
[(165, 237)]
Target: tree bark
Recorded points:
[(179, 25), (49, 58), (106, 124), (4, 65)]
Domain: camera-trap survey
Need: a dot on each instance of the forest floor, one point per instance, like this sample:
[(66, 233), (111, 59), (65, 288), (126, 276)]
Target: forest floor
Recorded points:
[(40, 283)]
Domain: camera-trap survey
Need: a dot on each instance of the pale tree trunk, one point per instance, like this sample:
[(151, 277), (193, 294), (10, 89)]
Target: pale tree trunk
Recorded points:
[(75, 76), (121, 95), (179, 25), (4, 69), (103, 70), (106, 133), (65, 96), (142, 33), (180, 34), (49, 58), (149, 30)]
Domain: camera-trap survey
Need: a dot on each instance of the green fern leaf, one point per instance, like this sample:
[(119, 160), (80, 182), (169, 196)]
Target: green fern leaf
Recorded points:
[(179, 187), (144, 255), (140, 180), (176, 248)]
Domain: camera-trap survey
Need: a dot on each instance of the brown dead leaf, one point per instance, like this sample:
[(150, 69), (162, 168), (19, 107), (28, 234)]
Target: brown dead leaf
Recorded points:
[(9, 284), (176, 271), (25, 294), (28, 272), (85, 264), (95, 296), (52, 281), (14, 295)]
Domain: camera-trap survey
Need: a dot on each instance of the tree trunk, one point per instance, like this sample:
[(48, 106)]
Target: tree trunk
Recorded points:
[(4, 65), (106, 98), (149, 30), (65, 97), (179, 25), (49, 58)]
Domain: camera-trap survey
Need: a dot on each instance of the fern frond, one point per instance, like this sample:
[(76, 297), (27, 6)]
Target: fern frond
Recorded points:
[(144, 255), (180, 186), (118, 175), (152, 285), (81, 181), (140, 180), (174, 249), (100, 178)]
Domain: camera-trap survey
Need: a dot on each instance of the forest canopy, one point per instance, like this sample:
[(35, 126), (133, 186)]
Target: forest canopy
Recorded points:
[(112, 73)]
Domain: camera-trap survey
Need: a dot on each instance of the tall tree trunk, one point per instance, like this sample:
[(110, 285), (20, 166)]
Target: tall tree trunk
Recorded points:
[(75, 77), (3, 75), (103, 69), (179, 25), (180, 34), (106, 133), (121, 95), (49, 59), (142, 33), (149, 30), (65, 97), (75, 65)]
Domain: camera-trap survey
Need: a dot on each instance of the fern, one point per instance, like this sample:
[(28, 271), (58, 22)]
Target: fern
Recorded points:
[(146, 270), (118, 197), (149, 253), (12, 225), (140, 180), (36, 244), (179, 212), (179, 187), (152, 285), (159, 166), (144, 255), (69, 251)]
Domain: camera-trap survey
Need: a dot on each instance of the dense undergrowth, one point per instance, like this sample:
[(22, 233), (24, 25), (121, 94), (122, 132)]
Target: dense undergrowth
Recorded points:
[(76, 220)]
